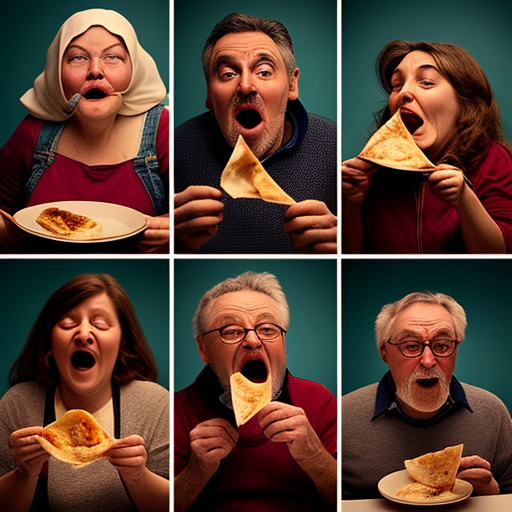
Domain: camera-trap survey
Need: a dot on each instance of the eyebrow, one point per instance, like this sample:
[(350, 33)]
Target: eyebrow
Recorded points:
[(102, 51), (229, 60), (422, 66)]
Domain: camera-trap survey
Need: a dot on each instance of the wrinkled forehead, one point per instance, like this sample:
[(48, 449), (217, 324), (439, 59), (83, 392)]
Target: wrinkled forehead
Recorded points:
[(423, 318), (243, 307)]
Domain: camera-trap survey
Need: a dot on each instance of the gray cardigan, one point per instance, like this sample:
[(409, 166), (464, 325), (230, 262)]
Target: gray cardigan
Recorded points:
[(98, 487)]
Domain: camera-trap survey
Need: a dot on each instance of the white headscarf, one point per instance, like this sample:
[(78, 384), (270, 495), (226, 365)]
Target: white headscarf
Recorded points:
[(46, 100)]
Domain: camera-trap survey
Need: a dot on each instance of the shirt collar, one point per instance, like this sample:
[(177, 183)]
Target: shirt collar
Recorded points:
[(387, 404)]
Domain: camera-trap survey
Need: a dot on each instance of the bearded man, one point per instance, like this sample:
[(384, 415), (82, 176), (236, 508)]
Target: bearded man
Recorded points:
[(419, 406), (253, 90)]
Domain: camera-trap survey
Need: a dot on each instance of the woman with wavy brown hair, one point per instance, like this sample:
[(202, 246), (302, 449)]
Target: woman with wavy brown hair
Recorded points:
[(86, 351), (465, 205)]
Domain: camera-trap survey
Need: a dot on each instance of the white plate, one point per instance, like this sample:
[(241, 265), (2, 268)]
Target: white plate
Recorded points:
[(117, 221), (391, 484)]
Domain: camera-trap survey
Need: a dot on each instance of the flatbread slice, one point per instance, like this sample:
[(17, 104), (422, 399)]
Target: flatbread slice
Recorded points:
[(249, 397), (69, 225), (244, 176), (436, 469), (419, 492), (76, 438), (393, 146)]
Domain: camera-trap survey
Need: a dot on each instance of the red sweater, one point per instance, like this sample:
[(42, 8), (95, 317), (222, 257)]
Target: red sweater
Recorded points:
[(258, 475), (401, 215), (68, 179)]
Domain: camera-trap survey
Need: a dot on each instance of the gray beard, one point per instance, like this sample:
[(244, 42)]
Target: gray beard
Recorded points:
[(424, 399)]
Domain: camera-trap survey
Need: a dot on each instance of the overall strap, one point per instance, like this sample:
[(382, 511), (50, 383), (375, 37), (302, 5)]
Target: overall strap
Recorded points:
[(40, 502), (146, 162), (44, 154)]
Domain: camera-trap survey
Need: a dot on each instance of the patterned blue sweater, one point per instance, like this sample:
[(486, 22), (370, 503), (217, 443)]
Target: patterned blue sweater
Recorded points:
[(305, 169)]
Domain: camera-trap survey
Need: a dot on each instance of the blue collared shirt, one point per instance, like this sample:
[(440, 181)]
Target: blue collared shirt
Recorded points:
[(386, 402)]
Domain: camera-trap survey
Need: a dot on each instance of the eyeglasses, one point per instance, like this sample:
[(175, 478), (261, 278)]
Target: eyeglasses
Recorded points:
[(415, 348), (232, 334)]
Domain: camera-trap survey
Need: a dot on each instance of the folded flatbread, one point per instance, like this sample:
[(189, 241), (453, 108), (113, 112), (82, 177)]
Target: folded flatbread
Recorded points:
[(76, 438), (69, 225), (244, 176), (249, 397), (436, 469), (393, 146)]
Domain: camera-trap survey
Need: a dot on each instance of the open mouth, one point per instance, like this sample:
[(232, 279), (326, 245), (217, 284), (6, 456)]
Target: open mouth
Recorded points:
[(82, 360), (255, 370), (249, 118), (95, 94), (411, 120), (427, 383)]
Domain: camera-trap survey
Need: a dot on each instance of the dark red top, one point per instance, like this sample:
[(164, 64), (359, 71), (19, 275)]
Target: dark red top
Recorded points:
[(401, 215), (258, 475), (68, 179)]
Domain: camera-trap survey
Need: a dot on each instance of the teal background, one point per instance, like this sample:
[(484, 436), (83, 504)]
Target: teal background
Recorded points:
[(482, 28), (311, 290), (28, 284), (27, 29), (482, 287), (312, 26)]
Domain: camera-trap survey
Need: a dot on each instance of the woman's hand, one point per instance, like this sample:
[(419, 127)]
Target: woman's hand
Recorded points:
[(129, 457), (27, 452), (355, 180), (448, 184), (156, 236)]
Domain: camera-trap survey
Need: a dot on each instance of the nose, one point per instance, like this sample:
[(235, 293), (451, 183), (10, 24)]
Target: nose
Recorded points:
[(406, 94), (95, 71), (251, 341), (427, 359), (246, 84), (83, 334)]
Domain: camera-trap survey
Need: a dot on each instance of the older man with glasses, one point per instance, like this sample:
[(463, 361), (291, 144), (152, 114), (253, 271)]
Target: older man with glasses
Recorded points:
[(282, 459), (419, 406)]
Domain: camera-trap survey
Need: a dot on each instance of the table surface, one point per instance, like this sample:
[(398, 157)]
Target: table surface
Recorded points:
[(499, 503)]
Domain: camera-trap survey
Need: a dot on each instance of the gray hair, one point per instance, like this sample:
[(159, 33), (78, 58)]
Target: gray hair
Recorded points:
[(238, 23), (386, 318), (264, 283)]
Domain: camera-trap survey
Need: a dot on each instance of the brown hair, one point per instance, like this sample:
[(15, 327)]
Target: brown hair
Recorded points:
[(479, 123), (134, 361), (239, 23)]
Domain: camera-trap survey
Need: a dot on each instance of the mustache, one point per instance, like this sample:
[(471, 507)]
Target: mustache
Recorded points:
[(427, 374), (246, 100)]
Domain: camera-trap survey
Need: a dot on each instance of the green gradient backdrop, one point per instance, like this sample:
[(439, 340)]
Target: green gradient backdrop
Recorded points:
[(310, 287), (27, 285), (28, 28), (312, 26), (481, 28), (483, 288)]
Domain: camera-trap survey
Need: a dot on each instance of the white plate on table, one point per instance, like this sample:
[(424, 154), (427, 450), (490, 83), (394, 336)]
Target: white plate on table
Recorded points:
[(391, 484), (117, 221)]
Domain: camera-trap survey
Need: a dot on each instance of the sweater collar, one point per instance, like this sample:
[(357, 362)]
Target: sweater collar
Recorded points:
[(386, 402)]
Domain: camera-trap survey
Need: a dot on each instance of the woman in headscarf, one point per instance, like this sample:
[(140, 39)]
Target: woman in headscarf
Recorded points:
[(86, 351), (97, 130)]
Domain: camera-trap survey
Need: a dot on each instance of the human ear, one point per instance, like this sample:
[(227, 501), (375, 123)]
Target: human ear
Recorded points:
[(383, 352), (293, 91)]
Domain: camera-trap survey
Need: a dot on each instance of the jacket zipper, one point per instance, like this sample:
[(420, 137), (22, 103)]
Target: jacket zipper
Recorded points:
[(419, 216)]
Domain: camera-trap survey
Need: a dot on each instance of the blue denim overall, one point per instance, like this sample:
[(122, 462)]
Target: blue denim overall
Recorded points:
[(145, 163)]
